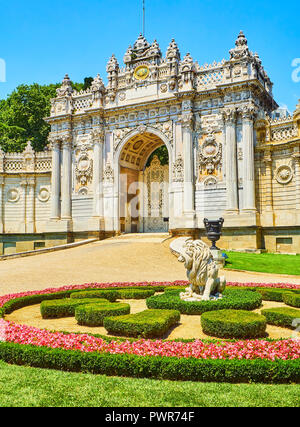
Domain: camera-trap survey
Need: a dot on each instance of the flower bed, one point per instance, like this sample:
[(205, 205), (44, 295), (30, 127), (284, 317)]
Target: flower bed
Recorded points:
[(231, 361)]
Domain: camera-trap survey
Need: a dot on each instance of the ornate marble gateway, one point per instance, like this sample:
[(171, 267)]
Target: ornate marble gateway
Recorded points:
[(227, 157)]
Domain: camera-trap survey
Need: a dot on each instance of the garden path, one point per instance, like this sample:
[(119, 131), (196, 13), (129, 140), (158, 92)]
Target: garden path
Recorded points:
[(125, 258)]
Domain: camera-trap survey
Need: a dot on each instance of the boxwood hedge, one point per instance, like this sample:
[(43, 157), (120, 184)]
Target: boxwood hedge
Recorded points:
[(232, 299), (168, 368), (110, 295), (292, 299), (147, 324), (233, 324), (64, 308), (94, 314), (273, 294), (281, 316)]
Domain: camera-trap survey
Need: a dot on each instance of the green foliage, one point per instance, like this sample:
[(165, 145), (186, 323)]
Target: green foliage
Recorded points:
[(233, 324), (232, 299), (68, 389), (135, 293), (22, 115), (292, 299), (110, 295), (162, 154), (265, 263), (147, 324), (281, 316), (272, 294), (94, 314), (65, 308), (171, 368)]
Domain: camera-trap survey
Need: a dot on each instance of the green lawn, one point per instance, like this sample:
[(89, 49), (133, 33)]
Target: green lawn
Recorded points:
[(265, 263), (31, 387)]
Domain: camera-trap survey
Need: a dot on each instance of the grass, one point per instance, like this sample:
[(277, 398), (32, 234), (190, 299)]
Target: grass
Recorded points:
[(31, 387), (264, 263)]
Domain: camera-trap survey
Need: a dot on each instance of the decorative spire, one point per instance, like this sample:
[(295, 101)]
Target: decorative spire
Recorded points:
[(173, 51), (128, 55), (112, 64), (97, 84), (241, 48), (66, 87), (141, 44), (297, 111)]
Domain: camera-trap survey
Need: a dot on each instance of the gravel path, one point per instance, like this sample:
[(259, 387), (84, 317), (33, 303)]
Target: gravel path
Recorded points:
[(126, 258)]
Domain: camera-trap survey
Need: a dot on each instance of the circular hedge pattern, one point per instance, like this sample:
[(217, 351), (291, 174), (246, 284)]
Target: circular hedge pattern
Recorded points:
[(232, 299), (94, 314), (292, 299), (233, 324), (60, 308), (281, 316), (110, 295)]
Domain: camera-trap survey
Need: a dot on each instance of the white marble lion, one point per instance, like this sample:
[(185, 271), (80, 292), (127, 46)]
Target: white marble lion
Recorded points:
[(202, 272)]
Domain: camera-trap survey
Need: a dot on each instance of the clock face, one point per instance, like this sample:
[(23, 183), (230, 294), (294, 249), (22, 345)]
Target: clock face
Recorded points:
[(141, 72)]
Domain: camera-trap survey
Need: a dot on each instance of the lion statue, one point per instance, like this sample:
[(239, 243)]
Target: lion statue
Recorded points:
[(202, 272)]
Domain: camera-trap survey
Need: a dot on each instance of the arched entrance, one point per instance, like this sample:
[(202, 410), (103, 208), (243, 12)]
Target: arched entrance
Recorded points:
[(144, 184)]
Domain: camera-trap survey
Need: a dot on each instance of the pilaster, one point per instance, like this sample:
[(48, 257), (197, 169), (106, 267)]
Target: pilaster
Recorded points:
[(66, 188)]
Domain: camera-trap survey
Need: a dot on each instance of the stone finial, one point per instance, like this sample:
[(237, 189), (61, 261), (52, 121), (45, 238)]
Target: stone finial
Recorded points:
[(141, 44), (155, 49), (173, 51), (187, 64), (128, 55), (112, 64), (241, 49), (298, 107), (66, 88), (97, 84)]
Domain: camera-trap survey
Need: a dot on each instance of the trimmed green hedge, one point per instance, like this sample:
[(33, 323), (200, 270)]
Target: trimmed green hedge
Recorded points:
[(110, 295), (165, 368), (292, 299), (233, 299), (147, 324), (94, 314), (233, 324), (135, 293), (273, 294), (65, 308), (281, 316)]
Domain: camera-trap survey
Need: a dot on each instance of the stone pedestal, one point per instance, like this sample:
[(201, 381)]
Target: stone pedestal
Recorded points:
[(218, 258)]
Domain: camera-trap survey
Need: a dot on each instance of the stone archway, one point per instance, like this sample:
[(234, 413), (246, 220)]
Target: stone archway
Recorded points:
[(143, 189)]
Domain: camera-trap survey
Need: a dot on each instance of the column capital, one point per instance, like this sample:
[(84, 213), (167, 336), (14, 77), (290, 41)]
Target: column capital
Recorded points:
[(97, 135), (66, 140), (54, 141), (267, 159), (187, 120), (31, 182), (229, 115), (248, 112)]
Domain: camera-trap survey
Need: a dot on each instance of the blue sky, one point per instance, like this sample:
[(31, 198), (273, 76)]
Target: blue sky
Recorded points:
[(43, 40)]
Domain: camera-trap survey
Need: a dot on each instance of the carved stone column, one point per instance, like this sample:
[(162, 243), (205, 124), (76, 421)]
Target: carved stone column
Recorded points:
[(66, 188), (229, 116), (97, 137), (268, 185), (248, 114), (296, 157), (187, 137), (30, 206), (23, 185), (2, 182), (55, 178)]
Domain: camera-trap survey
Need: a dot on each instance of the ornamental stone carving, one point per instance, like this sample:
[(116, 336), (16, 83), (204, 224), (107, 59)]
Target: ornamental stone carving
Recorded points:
[(241, 49), (178, 169), (84, 167), (66, 87), (210, 155), (229, 115), (97, 135), (187, 120), (284, 174), (44, 194), (108, 174), (13, 195)]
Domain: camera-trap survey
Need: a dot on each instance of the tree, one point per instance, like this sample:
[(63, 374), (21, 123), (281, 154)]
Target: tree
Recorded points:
[(162, 154), (22, 115)]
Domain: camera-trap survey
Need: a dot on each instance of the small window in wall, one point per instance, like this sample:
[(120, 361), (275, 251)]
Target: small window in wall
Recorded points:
[(39, 245), (284, 241), (9, 248)]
